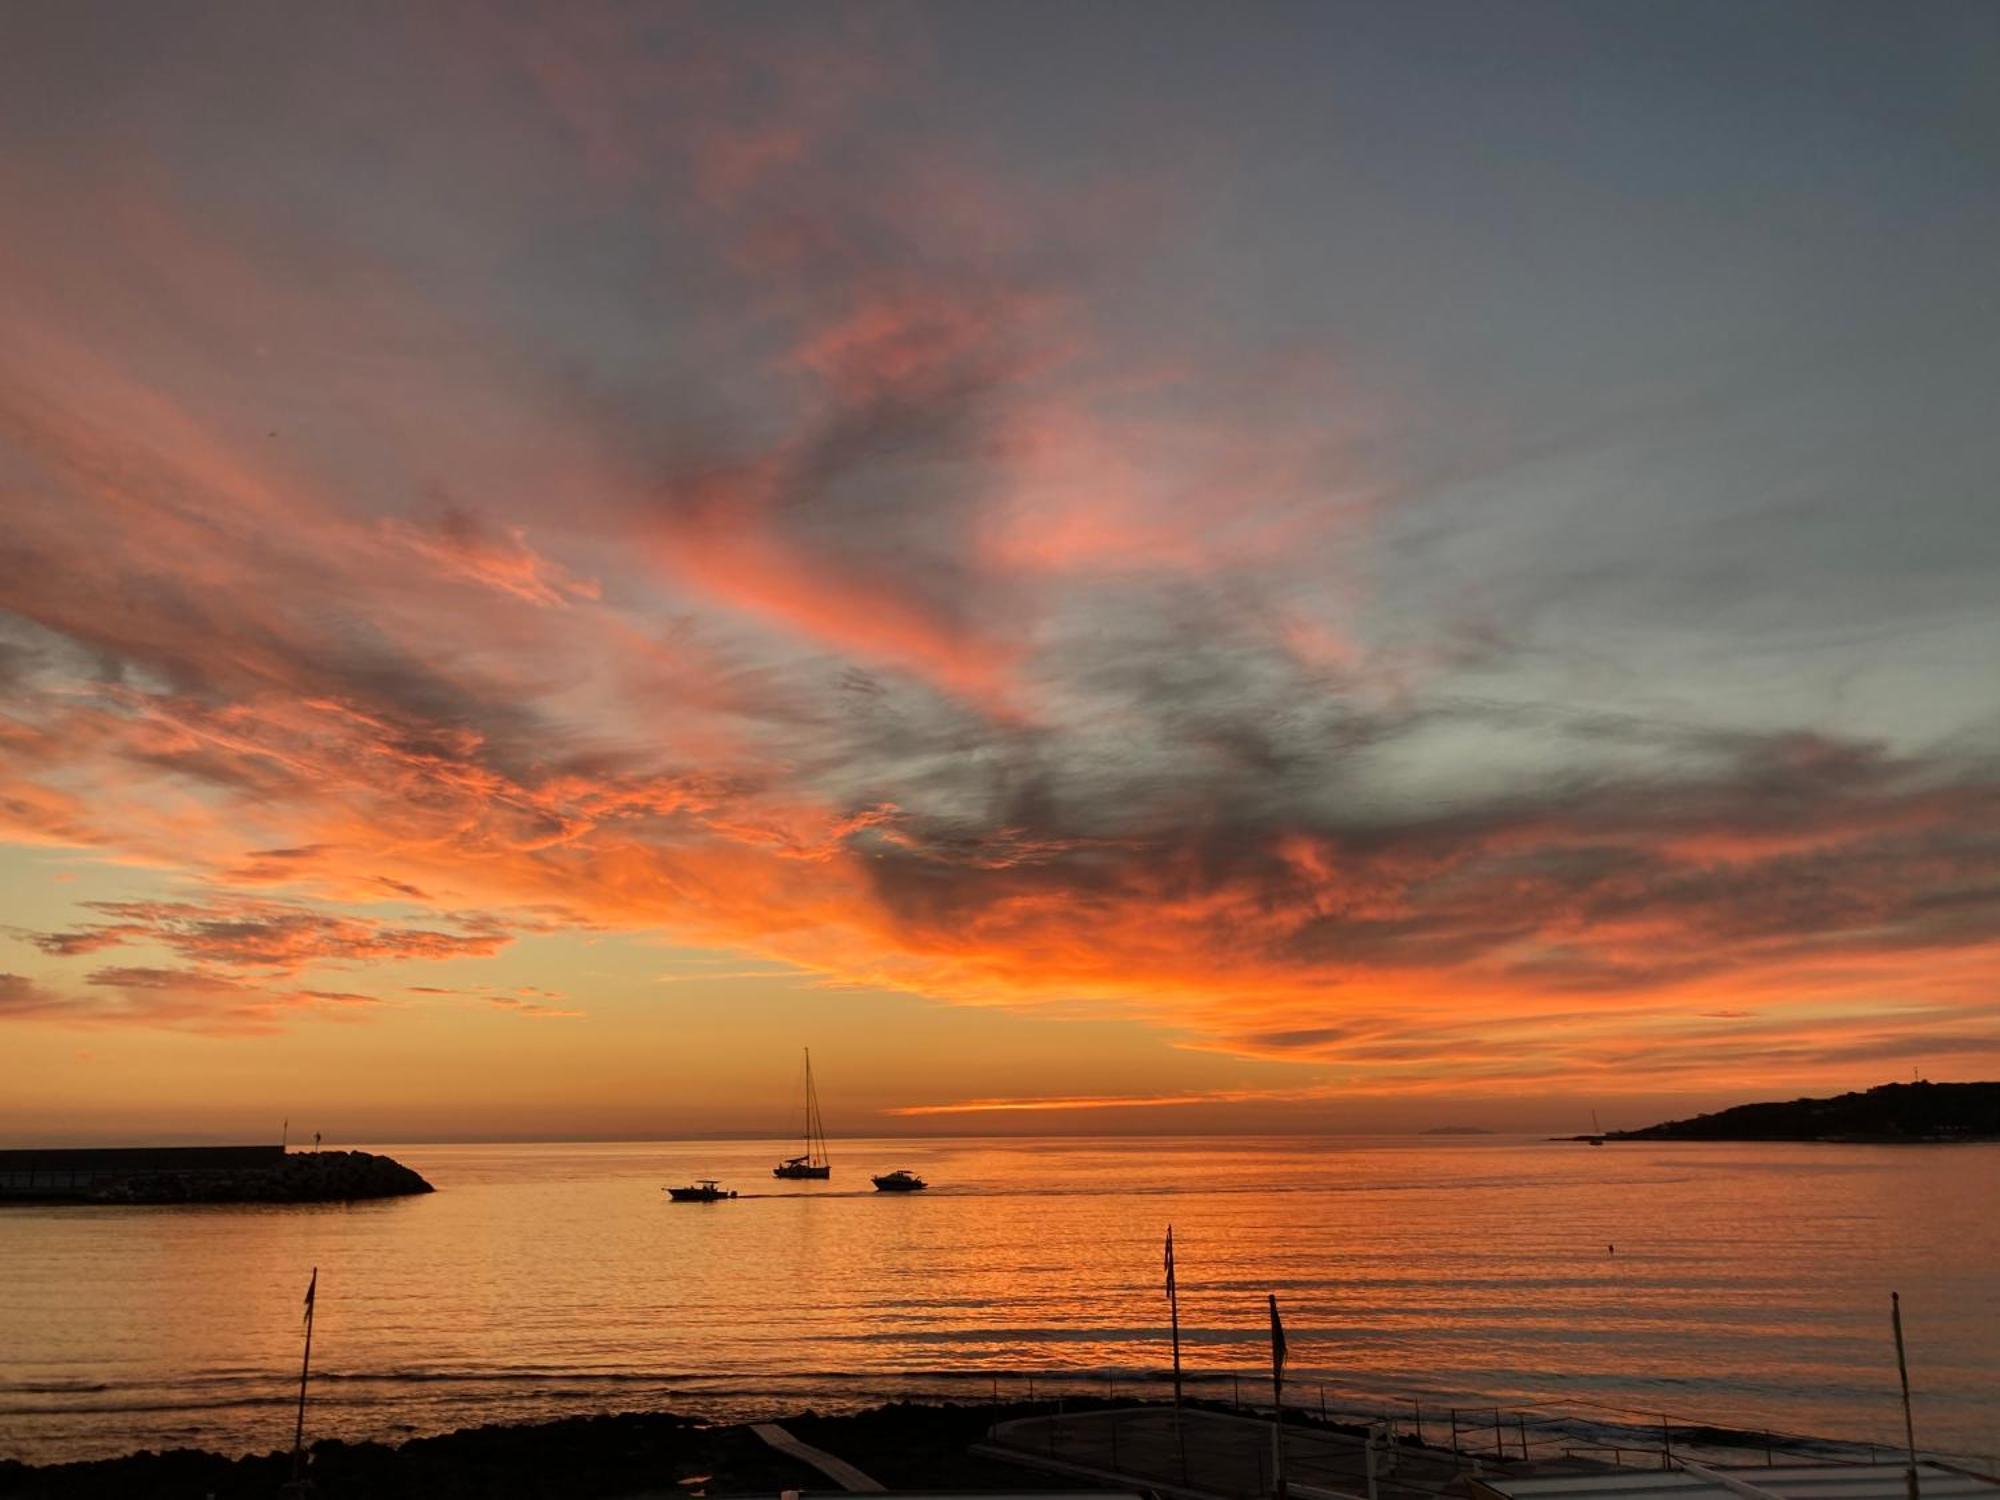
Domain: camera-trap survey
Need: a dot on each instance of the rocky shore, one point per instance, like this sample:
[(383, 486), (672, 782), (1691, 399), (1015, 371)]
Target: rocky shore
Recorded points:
[(1887, 1114), (905, 1445)]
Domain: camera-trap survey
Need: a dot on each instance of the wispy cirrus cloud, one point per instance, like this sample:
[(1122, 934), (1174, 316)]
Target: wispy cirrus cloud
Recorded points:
[(530, 1001), (1036, 1104), (268, 934), (192, 1000), (463, 546)]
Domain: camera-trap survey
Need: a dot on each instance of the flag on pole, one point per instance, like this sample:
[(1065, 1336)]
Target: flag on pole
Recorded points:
[(1277, 1341), (311, 1288), (1170, 1260)]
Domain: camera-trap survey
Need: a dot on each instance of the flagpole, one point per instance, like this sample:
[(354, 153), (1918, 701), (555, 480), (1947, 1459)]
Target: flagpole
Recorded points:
[(1277, 1400), (299, 1431), (1903, 1371), (1174, 1312)]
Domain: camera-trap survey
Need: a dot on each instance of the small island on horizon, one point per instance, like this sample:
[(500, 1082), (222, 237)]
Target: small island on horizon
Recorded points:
[(1890, 1113)]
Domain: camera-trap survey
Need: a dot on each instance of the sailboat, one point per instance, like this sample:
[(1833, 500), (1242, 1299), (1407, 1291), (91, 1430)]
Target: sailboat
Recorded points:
[(812, 1162), (1596, 1136)]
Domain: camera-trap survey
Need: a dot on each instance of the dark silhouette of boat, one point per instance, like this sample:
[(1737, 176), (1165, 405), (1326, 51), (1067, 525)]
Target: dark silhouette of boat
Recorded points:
[(813, 1162), (1596, 1136), (703, 1191), (899, 1182)]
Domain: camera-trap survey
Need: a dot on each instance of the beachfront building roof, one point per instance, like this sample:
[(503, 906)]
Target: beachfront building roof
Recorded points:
[(1715, 1482)]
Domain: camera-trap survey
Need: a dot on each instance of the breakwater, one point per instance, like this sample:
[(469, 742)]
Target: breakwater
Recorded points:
[(201, 1174)]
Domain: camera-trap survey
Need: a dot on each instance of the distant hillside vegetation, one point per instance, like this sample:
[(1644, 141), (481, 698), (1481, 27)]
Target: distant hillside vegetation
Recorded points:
[(1892, 1112)]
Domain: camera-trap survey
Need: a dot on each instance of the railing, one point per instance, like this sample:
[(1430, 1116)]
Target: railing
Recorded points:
[(1628, 1437)]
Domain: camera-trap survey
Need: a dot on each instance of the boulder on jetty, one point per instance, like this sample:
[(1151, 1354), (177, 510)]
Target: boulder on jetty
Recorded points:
[(203, 1174)]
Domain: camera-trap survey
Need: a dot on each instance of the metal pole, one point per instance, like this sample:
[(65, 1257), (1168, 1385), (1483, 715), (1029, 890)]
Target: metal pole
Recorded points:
[(1521, 1420), (1322, 1404), (1368, 1447), (1903, 1373), (1666, 1444), (1418, 1408), (1278, 1434), (1498, 1451)]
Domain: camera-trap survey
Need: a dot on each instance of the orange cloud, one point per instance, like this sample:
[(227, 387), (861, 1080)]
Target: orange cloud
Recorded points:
[(461, 545), (266, 934), (1112, 1101), (173, 1000)]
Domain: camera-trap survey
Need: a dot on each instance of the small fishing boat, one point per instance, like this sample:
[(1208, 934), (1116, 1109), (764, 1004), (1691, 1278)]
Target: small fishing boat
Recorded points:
[(703, 1191), (1596, 1136), (899, 1182), (812, 1162)]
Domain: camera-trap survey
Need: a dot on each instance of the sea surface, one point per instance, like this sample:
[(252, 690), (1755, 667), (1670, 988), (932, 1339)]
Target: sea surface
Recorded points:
[(1738, 1285)]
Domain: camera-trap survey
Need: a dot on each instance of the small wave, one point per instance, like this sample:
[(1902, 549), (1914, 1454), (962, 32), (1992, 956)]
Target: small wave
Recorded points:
[(51, 1388)]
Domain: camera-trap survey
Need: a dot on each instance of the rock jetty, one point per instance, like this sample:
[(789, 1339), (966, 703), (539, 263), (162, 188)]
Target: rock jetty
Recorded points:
[(203, 1174)]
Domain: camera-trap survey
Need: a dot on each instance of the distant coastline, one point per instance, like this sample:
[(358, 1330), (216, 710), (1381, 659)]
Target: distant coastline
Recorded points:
[(202, 1174), (1891, 1113)]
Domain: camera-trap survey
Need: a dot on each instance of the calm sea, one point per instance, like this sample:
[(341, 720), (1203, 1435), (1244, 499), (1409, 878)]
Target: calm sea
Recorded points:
[(1749, 1286)]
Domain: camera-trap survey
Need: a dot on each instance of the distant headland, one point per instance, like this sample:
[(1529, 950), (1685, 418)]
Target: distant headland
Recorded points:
[(202, 1174), (1889, 1113)]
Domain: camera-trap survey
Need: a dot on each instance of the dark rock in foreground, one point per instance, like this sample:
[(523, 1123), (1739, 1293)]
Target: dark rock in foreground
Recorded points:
[(654, 1453), (1893, 1112), (197, 1174)]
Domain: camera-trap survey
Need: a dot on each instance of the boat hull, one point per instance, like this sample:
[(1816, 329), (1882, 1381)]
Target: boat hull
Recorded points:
[(792, 1173), (899, 1184), (698, 1195)]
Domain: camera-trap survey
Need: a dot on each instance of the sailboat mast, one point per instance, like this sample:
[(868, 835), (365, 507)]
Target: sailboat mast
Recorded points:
[(815, 1127), (808, 1123)]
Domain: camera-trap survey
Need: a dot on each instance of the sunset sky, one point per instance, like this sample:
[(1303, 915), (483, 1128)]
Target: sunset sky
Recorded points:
[(1109, 567)]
